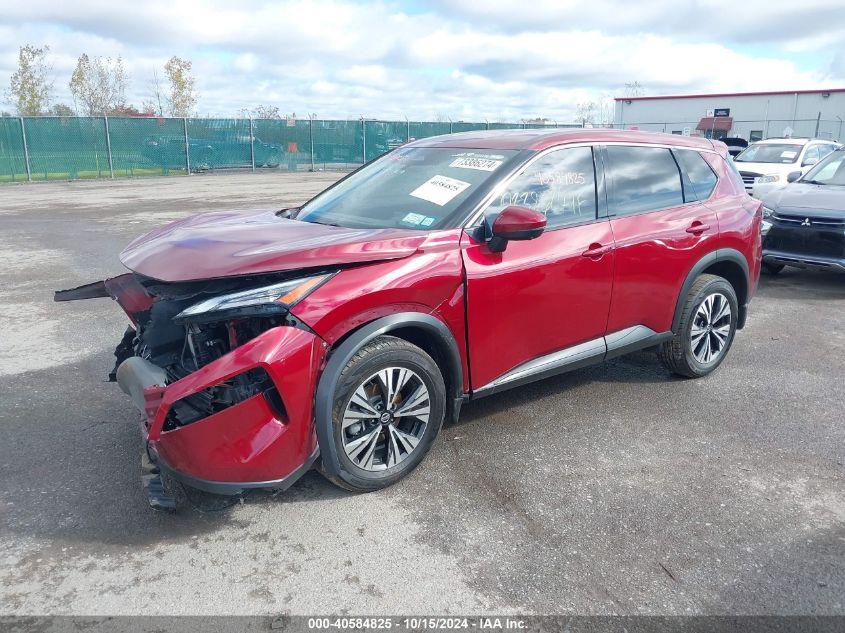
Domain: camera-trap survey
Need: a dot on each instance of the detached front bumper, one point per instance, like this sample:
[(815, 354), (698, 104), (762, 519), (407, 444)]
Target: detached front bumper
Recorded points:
[(255, 443)]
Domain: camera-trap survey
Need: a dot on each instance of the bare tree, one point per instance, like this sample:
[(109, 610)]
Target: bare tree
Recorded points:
[(99, 85), (183, 97), (30, 86), (154, 105), (606, 108), (585, 113), (266, 112), (633, 89)]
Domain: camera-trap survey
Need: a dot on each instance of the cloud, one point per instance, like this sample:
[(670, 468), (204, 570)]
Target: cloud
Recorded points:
[(458, 58)]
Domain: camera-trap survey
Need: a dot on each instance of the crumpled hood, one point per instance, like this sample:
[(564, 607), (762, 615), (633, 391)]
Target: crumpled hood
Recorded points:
[(230, 243), (805, 197)]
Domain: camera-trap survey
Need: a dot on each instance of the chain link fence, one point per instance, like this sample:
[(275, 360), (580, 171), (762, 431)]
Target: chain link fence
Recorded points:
[(750, 129), (70, 148)]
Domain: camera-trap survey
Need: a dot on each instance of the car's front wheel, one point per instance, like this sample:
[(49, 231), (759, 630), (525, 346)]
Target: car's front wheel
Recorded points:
[(706, 330), (388, 408)]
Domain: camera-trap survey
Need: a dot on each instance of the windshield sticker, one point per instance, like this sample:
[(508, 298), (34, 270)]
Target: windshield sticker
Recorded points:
[(439, 189), (788, 154), (413, 218), (418, 219), (476, 162), (477, 155)]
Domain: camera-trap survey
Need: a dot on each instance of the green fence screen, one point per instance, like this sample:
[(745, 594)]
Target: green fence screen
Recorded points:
[(68, 148)]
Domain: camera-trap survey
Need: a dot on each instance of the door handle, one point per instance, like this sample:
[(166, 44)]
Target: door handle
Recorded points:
[(697, 228), (596, 251)]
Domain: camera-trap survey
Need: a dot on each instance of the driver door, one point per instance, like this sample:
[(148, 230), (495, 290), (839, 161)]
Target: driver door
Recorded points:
[(545, 295)]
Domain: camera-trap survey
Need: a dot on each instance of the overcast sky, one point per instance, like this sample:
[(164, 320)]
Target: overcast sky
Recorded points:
[(464, 59)]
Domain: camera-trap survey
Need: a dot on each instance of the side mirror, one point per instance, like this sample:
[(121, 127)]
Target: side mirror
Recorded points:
[(515, 223), (793, 176)]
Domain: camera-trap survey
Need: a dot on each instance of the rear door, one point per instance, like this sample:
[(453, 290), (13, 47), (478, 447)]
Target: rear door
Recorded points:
[(660, 229), (547, 294)]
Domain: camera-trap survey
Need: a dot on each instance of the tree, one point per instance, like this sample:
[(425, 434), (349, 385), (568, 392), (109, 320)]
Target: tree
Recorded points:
[(266, 112), (61, 109), (154, 105), (31, 87), (131, 111), (99, 85), (182, 95), (585, 113), (633, 89)]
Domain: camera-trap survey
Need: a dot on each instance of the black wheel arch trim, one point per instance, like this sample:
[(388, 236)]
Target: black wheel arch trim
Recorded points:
[(713, 257), (342, 354)]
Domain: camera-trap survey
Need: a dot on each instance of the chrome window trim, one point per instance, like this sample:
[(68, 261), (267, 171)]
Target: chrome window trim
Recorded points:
[(478, 212)]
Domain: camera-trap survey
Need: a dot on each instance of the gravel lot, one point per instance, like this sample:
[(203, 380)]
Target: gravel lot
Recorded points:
[(614, 489)]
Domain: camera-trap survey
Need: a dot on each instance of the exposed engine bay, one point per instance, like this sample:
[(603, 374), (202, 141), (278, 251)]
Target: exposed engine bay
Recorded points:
[(181, 345)]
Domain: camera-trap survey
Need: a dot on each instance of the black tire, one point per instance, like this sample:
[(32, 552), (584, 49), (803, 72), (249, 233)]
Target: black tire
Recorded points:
[(678, 355), (772, 269), (379, 354)]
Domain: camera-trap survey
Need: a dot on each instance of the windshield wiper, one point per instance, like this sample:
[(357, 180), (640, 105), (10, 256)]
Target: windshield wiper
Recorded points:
[(813, 182)]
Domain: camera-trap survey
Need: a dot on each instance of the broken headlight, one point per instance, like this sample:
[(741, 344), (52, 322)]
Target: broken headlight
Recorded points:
[(266, 300)]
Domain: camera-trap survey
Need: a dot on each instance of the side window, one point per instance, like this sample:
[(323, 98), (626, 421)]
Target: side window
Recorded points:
[(561, 185), (811, 156), (736, 178), (699, 176), (755, 135), (642, 179)]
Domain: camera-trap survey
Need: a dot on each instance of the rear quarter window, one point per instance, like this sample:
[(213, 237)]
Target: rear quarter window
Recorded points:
[(700, 180), (733, 173)]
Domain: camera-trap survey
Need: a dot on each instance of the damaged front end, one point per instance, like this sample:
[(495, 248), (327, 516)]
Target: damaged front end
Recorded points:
[(222, 373)]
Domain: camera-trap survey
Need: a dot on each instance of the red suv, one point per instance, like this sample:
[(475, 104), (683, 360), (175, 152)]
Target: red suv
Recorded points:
[(344, 332)]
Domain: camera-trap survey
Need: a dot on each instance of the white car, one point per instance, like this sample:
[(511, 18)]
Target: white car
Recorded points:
[(764, 165)]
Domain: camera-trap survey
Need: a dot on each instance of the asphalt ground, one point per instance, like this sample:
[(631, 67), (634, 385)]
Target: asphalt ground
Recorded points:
[(610, 490)]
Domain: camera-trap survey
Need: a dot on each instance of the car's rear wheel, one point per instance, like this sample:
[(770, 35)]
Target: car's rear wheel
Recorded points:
[(388, 408), (772, 269), (706, 330)]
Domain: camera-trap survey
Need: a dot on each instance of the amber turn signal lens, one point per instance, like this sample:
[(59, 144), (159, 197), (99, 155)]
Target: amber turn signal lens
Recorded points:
[(300, 291)]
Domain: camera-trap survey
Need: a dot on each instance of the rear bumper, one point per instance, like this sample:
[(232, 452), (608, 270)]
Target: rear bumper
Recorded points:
[(251, 444), (802, 260)]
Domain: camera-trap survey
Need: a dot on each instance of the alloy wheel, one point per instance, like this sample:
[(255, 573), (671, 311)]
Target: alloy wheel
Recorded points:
[(385, 418), (711, 328)]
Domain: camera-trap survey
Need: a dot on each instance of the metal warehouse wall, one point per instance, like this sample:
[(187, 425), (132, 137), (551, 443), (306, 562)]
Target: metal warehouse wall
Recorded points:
[(767, 113)]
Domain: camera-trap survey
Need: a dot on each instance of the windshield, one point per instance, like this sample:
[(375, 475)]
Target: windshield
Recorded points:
[(770, 153), (830, 171), (409, 188)]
